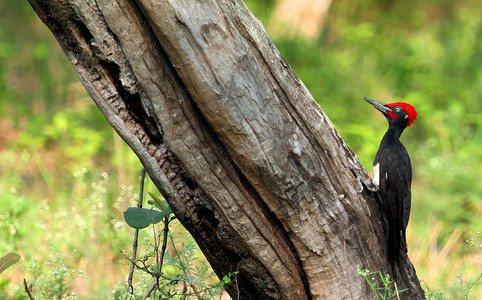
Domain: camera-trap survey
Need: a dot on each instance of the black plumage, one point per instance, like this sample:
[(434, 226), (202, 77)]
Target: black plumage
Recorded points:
[(393, 174), (395, 178)]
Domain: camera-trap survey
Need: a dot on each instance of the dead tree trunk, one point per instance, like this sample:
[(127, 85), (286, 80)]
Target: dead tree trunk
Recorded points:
[(247, 160)]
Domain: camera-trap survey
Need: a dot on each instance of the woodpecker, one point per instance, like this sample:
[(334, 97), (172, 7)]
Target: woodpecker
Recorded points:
[(392, 174)]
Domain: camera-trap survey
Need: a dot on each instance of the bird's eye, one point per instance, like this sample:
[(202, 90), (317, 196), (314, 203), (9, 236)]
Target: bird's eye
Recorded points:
[(397, 109)]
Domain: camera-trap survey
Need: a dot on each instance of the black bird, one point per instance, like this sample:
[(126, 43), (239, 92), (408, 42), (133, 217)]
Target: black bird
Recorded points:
[(393, 174)]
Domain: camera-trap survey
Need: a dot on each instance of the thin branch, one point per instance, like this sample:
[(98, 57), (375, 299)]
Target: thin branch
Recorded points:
[(150, 289), (28, 290), (144, 268), (164, 240), (221, 293), (396, 290), (184, 291), (236, 282), (136, 235), (165, 231), (156, 252)]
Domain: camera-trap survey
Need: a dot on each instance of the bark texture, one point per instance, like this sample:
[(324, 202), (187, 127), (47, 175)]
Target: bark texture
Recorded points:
[(248, 161)]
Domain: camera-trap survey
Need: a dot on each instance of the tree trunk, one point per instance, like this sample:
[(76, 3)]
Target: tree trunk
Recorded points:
[(245, 157)]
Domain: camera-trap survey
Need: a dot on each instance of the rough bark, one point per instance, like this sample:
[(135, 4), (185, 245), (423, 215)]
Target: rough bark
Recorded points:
[(248, 161)]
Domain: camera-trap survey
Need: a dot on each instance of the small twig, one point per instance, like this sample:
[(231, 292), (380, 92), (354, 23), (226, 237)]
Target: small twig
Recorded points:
[(165, 233), (28, 290), (165, 236), (156, 251), (236, 281), (396, 290), (136, 235), (150, 289), (221, 292), (145, 269), (184, 291)]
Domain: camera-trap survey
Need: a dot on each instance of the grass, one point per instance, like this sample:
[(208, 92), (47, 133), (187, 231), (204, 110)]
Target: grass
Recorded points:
[(453, 270), (381, 285), (69, 234), (71, 242), (459, 279)]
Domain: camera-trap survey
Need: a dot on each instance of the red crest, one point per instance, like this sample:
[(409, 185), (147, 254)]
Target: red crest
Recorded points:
[(409, 109)]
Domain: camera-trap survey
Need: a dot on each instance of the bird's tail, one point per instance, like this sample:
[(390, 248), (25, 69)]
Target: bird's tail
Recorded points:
[(393, 250)]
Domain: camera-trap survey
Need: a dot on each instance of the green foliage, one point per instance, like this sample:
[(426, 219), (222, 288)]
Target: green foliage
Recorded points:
[(381, 286), (176, 270), (158, 202), (87, 225), (77, 134), (8, 260), (459, 291), (140, 218), (461, 288), (53, 278)]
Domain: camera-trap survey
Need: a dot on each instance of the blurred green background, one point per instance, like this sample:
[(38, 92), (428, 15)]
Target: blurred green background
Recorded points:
[(66, 177)]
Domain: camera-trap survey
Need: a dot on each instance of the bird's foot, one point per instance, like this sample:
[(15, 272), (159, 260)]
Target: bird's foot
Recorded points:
[(362, 181)]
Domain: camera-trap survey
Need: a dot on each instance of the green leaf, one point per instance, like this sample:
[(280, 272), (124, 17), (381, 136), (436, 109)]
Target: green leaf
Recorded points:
[(161, 204), (140, 218), (154, 203), (226, 280), (8, 260)]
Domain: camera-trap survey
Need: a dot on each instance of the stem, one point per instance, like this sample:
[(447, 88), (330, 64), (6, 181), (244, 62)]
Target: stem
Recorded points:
[(136, 235), (160, 262), (396, 290), (164, 240), (28, 290), (156, 252), (150, 289)]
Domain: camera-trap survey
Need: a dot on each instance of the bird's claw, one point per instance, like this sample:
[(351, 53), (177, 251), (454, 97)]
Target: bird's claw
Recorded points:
[(362, 182)]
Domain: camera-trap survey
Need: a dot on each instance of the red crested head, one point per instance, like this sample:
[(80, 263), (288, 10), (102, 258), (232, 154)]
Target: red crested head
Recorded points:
[(407, 108)]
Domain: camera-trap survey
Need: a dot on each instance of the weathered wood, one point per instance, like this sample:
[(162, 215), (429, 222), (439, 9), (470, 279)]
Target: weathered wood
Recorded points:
[(233, 140)]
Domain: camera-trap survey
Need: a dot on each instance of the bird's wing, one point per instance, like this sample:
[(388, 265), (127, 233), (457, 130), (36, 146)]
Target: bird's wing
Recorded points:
[(395, 180)]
